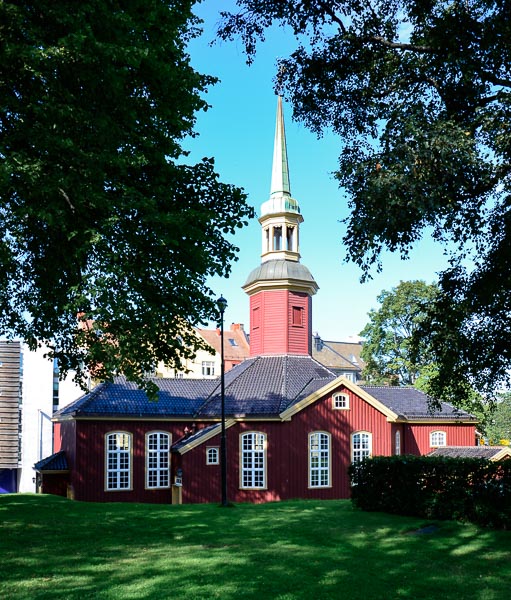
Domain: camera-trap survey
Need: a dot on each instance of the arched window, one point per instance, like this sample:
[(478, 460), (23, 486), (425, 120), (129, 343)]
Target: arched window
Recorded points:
[(212, 456), (157, 460), (341, 401), (361, 446), (437, 438), (319, 459), (253, 460), (397, 445), (118, 461)]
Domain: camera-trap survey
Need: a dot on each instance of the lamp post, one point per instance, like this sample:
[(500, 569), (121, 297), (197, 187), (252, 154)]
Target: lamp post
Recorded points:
[(222, 305)]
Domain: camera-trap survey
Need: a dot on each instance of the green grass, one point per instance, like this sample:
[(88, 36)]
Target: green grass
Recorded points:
[(55, 548)]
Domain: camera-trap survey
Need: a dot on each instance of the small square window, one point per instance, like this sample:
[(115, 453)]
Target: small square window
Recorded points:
[(341, 401), (212, 456)]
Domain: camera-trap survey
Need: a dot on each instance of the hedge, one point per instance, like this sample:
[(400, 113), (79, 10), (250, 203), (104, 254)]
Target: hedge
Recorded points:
[(467, 489)]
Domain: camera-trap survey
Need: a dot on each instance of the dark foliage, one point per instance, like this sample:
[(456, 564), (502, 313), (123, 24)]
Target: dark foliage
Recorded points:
[(470, 489), (100, 215), (420, 93)]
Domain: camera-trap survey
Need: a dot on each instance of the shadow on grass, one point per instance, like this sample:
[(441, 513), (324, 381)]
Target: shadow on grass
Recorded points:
[(55, 548)]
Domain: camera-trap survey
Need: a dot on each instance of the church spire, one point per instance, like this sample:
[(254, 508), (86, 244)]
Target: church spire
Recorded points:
[(281, 288), (280, 215), (280, 171)]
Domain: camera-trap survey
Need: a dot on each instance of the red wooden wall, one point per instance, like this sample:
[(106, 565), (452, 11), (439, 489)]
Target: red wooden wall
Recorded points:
[(287, 456), (272, 331)]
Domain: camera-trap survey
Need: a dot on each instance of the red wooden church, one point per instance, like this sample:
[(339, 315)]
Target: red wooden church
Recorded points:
[(293, 427)]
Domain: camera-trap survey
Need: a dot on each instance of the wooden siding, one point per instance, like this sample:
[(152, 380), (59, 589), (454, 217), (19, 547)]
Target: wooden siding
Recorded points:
[(275, 333), (256, 340), (287, 453), (299, 336), (88, 474), (10, 381), (416, 438)]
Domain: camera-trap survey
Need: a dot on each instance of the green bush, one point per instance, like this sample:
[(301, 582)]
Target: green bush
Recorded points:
[(467, 489)]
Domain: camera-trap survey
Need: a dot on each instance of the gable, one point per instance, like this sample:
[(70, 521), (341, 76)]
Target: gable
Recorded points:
[(329, 388)]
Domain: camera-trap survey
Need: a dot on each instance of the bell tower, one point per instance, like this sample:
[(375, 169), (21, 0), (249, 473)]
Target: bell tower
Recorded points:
[(281, 288)]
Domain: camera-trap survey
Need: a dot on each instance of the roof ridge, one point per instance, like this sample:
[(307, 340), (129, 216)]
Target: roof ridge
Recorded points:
[(339, 354)]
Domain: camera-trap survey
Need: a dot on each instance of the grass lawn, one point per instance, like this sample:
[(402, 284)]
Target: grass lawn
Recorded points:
[(55, 548)]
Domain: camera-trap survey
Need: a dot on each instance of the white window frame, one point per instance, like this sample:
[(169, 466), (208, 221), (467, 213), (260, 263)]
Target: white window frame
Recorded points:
[(118, 461), (212, 455), (253, 460), (361, 445), (208, 368), (320, 456), (397, 443), (157, 452), (438, 439), (341, 401)]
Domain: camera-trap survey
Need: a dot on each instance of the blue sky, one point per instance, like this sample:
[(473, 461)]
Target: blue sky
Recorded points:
[(238, 132)]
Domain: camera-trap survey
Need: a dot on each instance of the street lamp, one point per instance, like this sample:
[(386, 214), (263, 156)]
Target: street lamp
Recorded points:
[(222, 305)]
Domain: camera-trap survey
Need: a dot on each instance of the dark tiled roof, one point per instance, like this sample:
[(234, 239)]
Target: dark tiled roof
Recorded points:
[(263, 385), (267, 385), (468, 451), (55, 462), (177, 397), (414, 404)]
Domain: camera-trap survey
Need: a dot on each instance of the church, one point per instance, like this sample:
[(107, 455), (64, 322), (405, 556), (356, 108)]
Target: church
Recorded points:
[(292, 426)]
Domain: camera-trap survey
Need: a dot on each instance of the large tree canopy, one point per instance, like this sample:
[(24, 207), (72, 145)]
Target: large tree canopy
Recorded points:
[(420, 92), (388, 352), (100, 214)]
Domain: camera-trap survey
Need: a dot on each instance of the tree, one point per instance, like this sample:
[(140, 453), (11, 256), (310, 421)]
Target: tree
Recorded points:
[(100, 215), (499, 422), (420, 92), (387, 351)]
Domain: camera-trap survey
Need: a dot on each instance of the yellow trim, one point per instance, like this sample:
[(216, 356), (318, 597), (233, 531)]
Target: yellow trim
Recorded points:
[(204, 438), (501, 454), (328, 388), (289, 284), (433, 421)]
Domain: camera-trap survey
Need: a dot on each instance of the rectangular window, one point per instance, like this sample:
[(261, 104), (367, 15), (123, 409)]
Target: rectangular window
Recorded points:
[(319, 459), (256, 318), (157, 460), (208, 368), (212, 456), (297, 316), (118, 461), (253, 460)]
